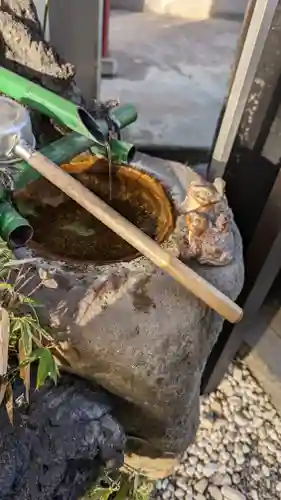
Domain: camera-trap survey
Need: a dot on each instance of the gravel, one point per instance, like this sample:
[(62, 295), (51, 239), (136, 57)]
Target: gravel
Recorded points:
[(237, 453)]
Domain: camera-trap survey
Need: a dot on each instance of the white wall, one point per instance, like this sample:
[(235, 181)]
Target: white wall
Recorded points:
[(185, 8)]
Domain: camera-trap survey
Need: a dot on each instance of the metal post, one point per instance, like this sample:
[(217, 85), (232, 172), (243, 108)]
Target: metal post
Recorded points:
[(253, 188), (250, 56), (108, 64), (76, 33)]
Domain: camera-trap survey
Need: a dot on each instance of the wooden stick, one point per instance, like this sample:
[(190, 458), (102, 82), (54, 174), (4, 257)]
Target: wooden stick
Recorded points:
[(194, 283)]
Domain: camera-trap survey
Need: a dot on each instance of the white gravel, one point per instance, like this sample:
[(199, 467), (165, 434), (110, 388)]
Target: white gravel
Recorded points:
[(237, 453)]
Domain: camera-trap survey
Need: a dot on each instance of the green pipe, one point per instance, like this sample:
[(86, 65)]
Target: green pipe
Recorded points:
[(121, 152), (64, 150), (14, 229), (74, 117)]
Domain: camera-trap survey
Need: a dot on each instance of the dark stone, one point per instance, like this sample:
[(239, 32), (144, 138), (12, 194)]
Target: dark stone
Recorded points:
[(59, 443)]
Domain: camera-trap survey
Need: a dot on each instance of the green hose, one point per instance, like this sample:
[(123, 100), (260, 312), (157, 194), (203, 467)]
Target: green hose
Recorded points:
[(61, 110), (66, 148), (14, 229), (88, 133)]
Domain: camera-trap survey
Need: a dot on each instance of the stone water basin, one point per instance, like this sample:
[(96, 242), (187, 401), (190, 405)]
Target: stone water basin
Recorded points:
[(121, 320), (64, 230)]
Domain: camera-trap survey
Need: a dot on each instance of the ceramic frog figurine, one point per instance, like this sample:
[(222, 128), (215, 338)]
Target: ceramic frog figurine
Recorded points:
[(209, 223)]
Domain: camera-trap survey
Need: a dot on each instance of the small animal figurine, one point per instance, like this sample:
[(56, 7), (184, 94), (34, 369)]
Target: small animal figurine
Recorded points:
[(208, 220), (203, 195)]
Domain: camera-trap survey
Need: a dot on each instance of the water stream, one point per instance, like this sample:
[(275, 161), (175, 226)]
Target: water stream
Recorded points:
[(109, 159)]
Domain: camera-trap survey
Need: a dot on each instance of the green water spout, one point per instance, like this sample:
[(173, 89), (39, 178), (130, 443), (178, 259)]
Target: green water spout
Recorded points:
[(61, 110), (66, 148), (14, 229)]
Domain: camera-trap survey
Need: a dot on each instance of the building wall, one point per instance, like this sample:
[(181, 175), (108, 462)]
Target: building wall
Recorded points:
[(185, 8)]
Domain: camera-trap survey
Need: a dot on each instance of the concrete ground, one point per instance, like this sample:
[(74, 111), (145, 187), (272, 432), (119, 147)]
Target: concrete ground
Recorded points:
[(175, 71)]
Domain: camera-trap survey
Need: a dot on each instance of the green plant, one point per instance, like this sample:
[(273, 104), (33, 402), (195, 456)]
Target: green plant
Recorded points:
[(22, 338), (129, 486)]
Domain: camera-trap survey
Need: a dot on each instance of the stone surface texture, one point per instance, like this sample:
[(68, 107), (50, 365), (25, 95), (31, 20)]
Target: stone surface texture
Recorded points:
[(59, 443), (138, 333), (242, 453)]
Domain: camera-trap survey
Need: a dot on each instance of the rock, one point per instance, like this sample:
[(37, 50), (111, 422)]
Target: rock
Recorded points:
[(165, 483), (216, 407), (222, 469), (226, 388), (193, 461), (181, 483), (226, 480), (236, 479), (270, 459), (189, 471), (278, 487), (143, 320), (232, 494), (158, 485), (171, 488), (202, 443), (206, 423), (215, 492), (199, 497), (210, 469), (179, 493), (240, 420), (270, 446), (240, 459), (166, 495), (67, 432), (272, 434), (237, 374), (224, 457), (209, 449), (199, 468), (201, 486), (261, 433), (269, 415), (265, 471), (257, 422), (254, 495), (220, 423), (180, 469), (221, 479)]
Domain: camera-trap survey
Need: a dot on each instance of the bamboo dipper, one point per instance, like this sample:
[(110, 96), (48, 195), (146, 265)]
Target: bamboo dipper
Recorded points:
[(194, 283)]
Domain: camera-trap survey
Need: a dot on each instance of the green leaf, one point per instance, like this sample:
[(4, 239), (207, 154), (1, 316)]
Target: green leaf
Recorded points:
[(124, 492), (31, 302), (24, 368), (3, 387), (16, 325), (47, 366), (6, 286), (26, 339), (4, 340), (9, 397), (99, 494)]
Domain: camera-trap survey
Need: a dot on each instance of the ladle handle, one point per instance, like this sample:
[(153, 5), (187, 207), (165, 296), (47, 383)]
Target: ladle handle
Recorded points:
[(134, 236)]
